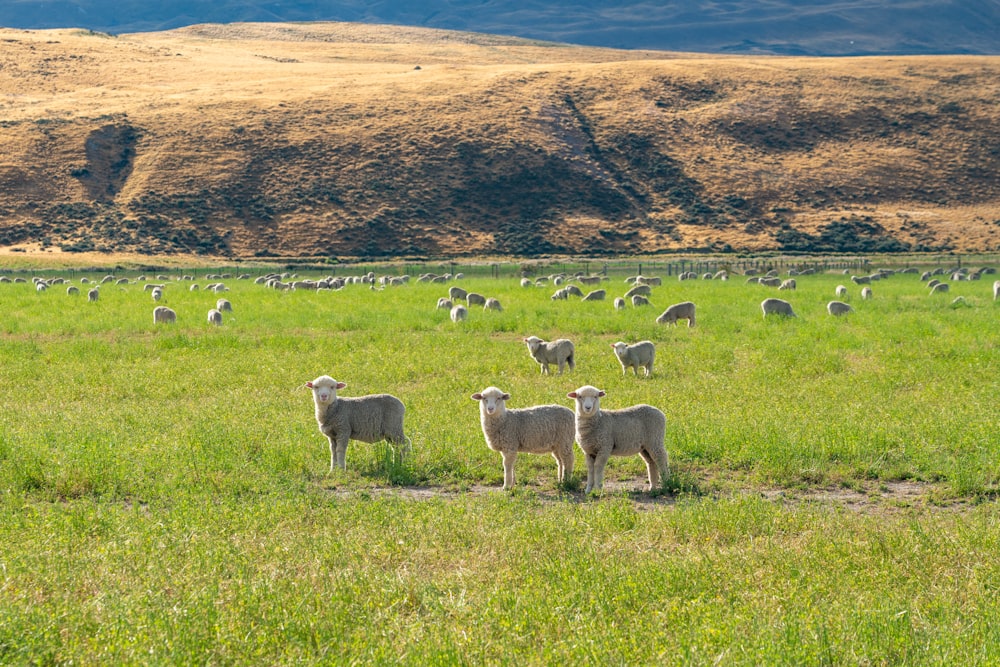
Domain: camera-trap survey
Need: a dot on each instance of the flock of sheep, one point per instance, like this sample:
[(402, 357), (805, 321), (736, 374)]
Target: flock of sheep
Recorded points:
[(544, 429)]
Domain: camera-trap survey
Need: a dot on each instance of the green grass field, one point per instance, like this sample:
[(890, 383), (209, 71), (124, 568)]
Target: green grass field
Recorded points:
[(164, 495)]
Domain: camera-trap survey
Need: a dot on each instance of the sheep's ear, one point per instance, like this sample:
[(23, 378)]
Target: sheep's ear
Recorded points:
[(309, 384), (600, 393), (477, 397), (506, 397), (571, 394), (341, 385)]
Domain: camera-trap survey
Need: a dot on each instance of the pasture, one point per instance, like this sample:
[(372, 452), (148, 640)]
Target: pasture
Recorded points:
[(164, 494)]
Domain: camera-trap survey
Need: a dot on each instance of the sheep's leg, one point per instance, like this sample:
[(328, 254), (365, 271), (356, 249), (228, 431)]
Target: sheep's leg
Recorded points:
[(560, 467), (333, 452), (341, 452), (508, 469), (590, 473), (600, 461), (651, 470)]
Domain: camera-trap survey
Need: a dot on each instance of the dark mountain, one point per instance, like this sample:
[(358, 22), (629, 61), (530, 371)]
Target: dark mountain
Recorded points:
[(796, 27)]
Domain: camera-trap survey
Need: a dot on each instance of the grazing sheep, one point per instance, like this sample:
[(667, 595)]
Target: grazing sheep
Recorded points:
[(224, 306), (639, 300), (366, 418), (574, 290), (215, 317), (459, 313), (643, 290), (492, 304), (866, 293), (770, 281), (678, 311), (526, 282), (596, 295), (841, 291), (648, 280), (163, 315), (445, 303), (559, 352), (996, 290), (560, 295), (542, 429), (193, 288), (838, 308), (619, 303), (92, 294), (931, 284), (589, 280), (958, 301), (774, 306), (456, 293), (861, 280), (939, 288), (474, 299), (602, 434), (157, 294), (636, 356), (787, 284), (71, 290)]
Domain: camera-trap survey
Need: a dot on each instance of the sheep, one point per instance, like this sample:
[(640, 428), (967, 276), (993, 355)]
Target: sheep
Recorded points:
[(776, 307), (639, 300), (71, 290), (643, 290), (474, 299), (560, 295), (636, 356), (559, 352), (92, 294), (193, 288), (459, 313), (939, 288), (861, 280), (996, 290), (596, 295), (542, 429), (601, 434), (492, 304), (788, 284), (457, 293), (769, 281), (526, 282), (223, 305), (679, 311), (163, 315), (841, 291), (589, 280), (215, 317), (157, 294), (366, 418), (931, 284), (574, 290), (619, 303), (445, 304), (838, 308), (648, 280), (866, 293)]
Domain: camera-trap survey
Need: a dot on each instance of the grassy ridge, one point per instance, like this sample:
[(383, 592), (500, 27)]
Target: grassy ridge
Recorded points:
[(165, 497)]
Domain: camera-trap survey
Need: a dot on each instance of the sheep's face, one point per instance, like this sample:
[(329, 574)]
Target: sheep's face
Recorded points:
[(324, 389), (533, 342), (492, 401), (588, 400), (620, 349)]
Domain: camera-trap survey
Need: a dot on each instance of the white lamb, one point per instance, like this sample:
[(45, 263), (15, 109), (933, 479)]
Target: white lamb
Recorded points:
[(366, 418), (679, 311), (163, 315), (93, 294), (596, 295), (639, 300), (619, 304), (542, 429), (445, 303), (223, 305), (841, 291), (215, 317), (493, 304), (838, 308), (643, 290), (774, 306), (559, 352), (636, 356), (866, 293), (459, 313), (601, 434), (788, 284), (474, 299)]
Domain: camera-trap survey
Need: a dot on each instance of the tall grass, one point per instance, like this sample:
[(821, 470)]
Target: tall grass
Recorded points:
[(164, 494)]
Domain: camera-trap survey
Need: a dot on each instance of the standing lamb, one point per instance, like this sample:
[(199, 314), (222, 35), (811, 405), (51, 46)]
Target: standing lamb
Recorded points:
[(459, 313), (636, 356), (164, 315), (640, 300), (215, 317), (866, 293), (601, 434), (366, 418), (559, 352), (92, 294), (774, 306), (474, 299), (542, 429), (788, 284), (445, 303), (456, 293), (223, 305), (678, 311), (619, 304), (492, 304), (841, 291)]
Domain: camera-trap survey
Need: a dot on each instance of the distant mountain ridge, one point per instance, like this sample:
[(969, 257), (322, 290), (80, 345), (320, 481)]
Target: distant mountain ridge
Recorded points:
[(789, 27)]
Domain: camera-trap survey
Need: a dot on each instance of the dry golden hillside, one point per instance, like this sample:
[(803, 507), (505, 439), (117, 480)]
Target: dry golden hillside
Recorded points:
[(356, 140)]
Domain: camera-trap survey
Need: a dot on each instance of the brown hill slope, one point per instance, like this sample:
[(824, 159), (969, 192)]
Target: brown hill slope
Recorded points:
[(347, 140)]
